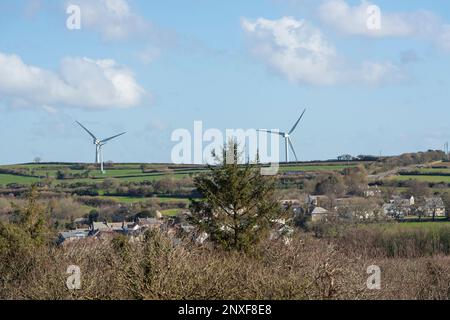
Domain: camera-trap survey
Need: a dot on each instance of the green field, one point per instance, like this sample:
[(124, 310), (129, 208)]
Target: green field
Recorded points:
[(171, 212), (9, 178), (133, 172), (424, 178), (409, 226), (142, 199), (331, 167)]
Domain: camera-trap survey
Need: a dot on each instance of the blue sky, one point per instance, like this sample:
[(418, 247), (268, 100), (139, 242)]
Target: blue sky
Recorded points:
[(150, 67)]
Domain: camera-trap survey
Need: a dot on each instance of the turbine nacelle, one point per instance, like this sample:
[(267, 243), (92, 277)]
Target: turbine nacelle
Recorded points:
[(99, 144), (287, 137)]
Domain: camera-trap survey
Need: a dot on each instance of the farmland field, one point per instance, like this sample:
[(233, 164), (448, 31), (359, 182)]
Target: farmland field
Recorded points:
[(130, 172), (424, 178), (143, 199), (170, 212), (9, 178), (307, 168)]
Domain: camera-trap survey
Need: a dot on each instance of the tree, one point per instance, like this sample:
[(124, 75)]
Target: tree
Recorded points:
[(237, 207), (356, 180), (417, 209), (32, 217), (434, 203), (29, 222), (345, 157), (332, 184), (146, 213), (37, 160), (446, 202), (93, 216), (110, 184), (418, 189)]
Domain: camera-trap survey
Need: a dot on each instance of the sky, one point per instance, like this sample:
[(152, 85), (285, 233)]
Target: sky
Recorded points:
[(372, 81)]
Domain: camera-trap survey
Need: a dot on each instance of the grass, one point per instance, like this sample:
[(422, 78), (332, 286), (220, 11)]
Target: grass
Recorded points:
[(435, 179), (133, 172), (330, 167), (433, 170), (9, 178), (169, 200), (142, 199), (171, 212)]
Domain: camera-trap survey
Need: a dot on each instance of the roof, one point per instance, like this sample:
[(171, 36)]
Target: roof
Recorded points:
[(80, 233), (148, 221), (319, 210), (102, 226), (293, 201), (81, 220), (434, 202)]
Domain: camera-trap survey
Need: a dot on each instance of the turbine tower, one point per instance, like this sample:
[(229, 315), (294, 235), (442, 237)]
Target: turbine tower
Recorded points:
[(99, 145), (287, 138)]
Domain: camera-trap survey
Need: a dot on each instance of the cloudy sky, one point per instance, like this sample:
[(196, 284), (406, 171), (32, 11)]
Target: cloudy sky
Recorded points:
[(150, 67)]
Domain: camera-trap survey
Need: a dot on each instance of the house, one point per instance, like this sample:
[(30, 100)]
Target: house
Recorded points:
[(100, 226), (149, 223), (72, 235), (434, 206), (398, 207), (372, 192), (319, 214), (294, 204), (81, 221), (316, 200), (356, 207), (102, 229)]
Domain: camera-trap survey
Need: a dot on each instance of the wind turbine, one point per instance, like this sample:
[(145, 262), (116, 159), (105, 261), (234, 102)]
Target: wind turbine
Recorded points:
[(98, 145), (287, 138)]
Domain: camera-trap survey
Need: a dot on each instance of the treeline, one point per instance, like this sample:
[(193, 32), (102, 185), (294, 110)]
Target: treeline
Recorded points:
[(407, 159), (349, 181)]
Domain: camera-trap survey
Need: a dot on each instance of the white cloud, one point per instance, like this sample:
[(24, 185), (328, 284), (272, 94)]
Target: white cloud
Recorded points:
[(376, 73), (293, 48), (148, 55), (352, 20), (301, 53), (114, 19), (80, 83), (443, 38)]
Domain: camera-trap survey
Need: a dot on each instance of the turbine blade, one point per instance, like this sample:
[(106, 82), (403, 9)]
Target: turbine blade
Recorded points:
[(272, 132), (113, 137), (296, 124), (90, 133), (292, 148)]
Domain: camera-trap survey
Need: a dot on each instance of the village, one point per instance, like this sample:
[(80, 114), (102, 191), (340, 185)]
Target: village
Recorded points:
[(312, 208)]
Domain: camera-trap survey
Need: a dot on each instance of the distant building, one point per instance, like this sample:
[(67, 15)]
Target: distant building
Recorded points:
[(398, 207), (68, 236), (319, 214), (294, 204), (315, 201), (81, 222), (149, 223), (372, 192), (434, 205)]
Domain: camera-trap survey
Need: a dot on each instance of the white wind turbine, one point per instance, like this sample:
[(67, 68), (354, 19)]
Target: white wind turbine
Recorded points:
[(287, 138), (98, 145)]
